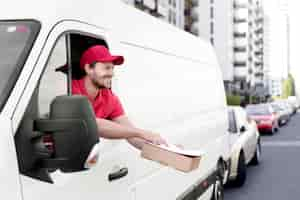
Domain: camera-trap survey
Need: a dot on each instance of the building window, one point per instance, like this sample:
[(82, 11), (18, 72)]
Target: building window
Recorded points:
[(211, 28), (211, 12), (239, 64), (212, 40), (174, 3), (174, 18), (239, 20), (212, 1), (250, 47), (240, 49), (239, 35), (242, 85), (170, 16)]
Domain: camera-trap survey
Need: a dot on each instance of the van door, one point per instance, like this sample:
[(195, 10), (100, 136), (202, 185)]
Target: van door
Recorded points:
[(43, 86)]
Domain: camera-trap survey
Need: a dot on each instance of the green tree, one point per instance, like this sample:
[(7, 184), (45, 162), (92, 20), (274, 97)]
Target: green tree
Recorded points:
[(288, 87)]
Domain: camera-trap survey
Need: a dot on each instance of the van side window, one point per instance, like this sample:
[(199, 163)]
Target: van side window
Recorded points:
[(232, 122), (52, 83)]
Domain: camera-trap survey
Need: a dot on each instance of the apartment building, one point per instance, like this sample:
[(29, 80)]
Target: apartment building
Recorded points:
[(234, 27), (214, 22), (256, 46), (275, 88), (242, 46), (171, 11)]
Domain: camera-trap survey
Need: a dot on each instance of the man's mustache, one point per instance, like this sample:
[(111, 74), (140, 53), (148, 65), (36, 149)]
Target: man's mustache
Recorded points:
[(107, 77)]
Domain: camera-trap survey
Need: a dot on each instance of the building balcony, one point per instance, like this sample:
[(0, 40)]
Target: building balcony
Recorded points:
[(240, 56), (241, 13), (239, 20), (242, 5), (259, 30), (259, 20), (258, 58), (195, 28), (259, 41), (258, 74), (241, 27), (195, 13), (240, 49), (240, 64), (258, 64), (240, 1), (257, 37), (239, 34), (241, 41), (258, 53), (258, 26), (240, 73)]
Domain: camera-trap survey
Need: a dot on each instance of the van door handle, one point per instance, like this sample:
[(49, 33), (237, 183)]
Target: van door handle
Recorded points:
[(119, 174)]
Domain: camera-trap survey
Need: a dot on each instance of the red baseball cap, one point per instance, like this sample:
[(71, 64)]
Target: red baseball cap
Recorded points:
[(99, 53)]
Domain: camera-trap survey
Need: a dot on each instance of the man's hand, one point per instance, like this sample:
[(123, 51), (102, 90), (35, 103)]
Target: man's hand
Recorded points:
[(143, 135), (153, 138)]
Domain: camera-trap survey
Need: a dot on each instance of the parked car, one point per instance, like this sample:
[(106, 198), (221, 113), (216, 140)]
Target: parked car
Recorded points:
[(265, 117), (287, 106), (245, 144), (292, 100), (282, 111)]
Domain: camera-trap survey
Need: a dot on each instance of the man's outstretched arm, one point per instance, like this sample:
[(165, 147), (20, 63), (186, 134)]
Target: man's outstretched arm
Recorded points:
[(121, 128), (136, 142)]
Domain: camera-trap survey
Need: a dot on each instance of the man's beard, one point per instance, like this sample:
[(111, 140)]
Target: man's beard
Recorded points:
[(101, 86)]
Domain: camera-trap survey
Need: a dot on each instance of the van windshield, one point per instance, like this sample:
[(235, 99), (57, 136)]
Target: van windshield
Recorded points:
[(16, 40)]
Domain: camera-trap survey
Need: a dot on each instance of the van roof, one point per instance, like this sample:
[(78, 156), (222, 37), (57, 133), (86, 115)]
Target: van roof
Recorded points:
[(114, 15)]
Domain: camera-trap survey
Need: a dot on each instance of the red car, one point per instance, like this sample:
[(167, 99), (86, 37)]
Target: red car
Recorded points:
[(265, 116)]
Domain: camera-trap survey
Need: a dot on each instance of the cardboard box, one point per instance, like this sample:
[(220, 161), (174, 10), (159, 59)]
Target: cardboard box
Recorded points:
[(178, 160)]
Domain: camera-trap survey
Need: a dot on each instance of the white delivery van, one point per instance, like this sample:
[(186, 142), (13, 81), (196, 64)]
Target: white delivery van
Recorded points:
[(170, 83)]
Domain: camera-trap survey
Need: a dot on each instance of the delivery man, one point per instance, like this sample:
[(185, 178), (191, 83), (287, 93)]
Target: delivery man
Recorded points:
[(98, 64)]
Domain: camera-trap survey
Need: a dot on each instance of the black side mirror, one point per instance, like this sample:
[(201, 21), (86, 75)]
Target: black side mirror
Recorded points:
[(72, 124), (67, 140), (242, 129)]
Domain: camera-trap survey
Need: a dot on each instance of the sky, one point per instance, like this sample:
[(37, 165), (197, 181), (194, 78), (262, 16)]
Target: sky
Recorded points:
[(292, 7), (294, 13), (276, 34)]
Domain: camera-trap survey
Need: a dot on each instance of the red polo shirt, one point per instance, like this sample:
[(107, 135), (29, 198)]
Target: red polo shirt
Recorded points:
[(106, 105)]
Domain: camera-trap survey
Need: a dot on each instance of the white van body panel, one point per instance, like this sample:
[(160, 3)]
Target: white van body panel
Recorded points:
[(9, 172), (170, 83)]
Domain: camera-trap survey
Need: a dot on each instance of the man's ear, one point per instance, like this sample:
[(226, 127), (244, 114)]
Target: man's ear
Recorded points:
[(87, 68)]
